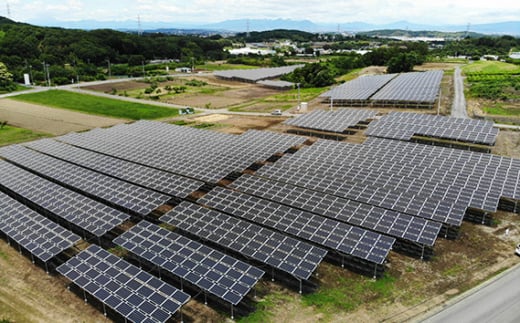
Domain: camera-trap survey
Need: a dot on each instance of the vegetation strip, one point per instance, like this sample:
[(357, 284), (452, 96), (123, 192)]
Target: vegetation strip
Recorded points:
[(98, 105)]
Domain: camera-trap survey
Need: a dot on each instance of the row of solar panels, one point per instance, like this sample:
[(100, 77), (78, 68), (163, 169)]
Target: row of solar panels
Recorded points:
[(430, 182), (420, 87), (403, 126), (280, 251), (333, 121), (128, 290), (258, 74)]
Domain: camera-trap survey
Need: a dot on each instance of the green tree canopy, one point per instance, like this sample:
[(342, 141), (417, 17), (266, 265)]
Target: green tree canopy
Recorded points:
[(6, 79)]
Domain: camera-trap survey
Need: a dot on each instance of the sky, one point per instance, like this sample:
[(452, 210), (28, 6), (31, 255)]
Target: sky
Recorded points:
[(432, 12)]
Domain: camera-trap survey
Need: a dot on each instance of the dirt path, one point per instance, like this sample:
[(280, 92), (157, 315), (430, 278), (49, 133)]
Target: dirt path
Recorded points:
[(50, 120)]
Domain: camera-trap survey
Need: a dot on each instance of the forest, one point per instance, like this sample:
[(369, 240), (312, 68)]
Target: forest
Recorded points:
[(68, 53)]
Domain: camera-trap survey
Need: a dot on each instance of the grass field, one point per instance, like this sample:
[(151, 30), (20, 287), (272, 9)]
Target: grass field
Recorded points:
[(498, 109), (490, 67), (12, 135), (282, 101), (98, 105)]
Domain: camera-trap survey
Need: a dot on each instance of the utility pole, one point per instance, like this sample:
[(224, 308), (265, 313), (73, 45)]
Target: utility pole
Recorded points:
[(48, 75), (299, 103), (144, 73), (109, 72)]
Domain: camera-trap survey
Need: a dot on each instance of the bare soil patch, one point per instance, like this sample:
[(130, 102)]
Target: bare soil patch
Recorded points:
[(28, 294), (119, 86), (50, 120)]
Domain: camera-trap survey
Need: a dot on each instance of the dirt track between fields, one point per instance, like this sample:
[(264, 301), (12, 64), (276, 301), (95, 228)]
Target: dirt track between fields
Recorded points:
[(50, 120)]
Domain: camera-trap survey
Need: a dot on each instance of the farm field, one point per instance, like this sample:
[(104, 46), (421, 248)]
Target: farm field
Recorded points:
[(494, 90), (211, 93), (97, 106)]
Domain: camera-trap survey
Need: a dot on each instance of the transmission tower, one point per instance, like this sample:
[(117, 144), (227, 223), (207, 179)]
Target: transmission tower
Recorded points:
[(8, 9), (139, 29), (247, 28)]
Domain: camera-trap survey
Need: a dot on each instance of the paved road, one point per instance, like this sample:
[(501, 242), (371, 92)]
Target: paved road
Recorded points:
[(458, 109), (497, 301)]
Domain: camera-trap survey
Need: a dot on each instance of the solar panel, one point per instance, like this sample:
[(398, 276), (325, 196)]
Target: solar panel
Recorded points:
[(254, 75), (331, 234), (89, 215), (333, 121), (204, 155), (223, 276), (359, 89), (387, 222), (130, 291), (415, 87), (403, 126), (117, 192), (292, 256), (41, 237), (165, 182)]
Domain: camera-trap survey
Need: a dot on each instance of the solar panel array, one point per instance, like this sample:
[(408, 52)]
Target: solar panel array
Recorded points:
[(167, 183), (359, 89), (130, 291), (395, 224), (331, 234), (200, 154), (258, 74), (41, 237), (115, 191), (403, 126), (292, 256), (426, 181), (210, 270), (411, 87), (72, 207), (333, 121), (391, 89)]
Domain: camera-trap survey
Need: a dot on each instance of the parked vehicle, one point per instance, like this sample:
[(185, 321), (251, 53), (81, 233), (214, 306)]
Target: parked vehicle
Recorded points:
[(277, 112), (517, 251)]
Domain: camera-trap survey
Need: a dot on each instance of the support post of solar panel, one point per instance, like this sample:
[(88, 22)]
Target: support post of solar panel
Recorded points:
[(300, 281), (422, 253), (104, 309), (375, 271), (232, 316)]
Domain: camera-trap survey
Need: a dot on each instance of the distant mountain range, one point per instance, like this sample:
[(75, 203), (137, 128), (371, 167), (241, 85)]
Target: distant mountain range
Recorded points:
[(242, 25)]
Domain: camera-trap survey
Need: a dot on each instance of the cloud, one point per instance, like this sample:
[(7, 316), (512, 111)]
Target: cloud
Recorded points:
[(320, 11)]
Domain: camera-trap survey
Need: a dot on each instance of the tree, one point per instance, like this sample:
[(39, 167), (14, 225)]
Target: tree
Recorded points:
[(6, 79), (403, 62)]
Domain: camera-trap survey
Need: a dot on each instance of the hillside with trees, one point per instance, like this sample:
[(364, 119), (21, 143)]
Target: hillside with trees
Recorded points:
[(71, 53)]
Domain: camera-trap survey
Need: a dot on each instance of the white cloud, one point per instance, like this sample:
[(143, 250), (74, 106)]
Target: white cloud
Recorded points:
[(324, 11)]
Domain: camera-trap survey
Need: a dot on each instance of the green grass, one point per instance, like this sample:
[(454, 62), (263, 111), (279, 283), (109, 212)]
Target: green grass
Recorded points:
[(98, 105), (350, 293), (3, 255), (264, 308), (12, 135), (225, 66), (491, 67), (282, 101), (501, 111)]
